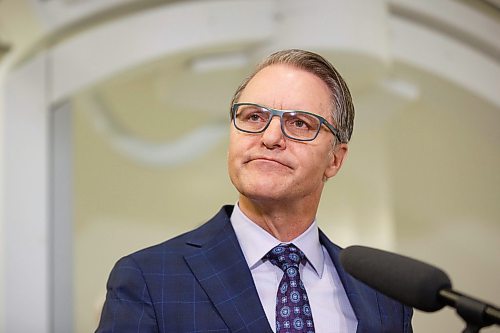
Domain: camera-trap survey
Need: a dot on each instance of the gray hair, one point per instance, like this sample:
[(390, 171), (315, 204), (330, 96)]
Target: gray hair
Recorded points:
[(342, 108)]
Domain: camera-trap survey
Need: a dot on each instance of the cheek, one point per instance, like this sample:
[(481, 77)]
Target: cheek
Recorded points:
[(236, 151), (317, 164), (231, 158), (233, 148), (240, 143)]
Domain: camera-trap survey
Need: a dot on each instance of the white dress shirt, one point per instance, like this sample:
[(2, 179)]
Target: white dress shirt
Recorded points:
[(331, 309)]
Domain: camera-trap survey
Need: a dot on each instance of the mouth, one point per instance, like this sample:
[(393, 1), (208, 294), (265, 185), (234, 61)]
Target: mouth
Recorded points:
[(269, 160)]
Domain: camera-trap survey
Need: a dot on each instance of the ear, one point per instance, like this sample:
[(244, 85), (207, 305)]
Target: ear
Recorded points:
[(337, 158)]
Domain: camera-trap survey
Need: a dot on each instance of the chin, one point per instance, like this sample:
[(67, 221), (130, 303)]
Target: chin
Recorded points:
[(261, 192)]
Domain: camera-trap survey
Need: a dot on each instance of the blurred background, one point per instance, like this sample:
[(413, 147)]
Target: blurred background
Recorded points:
[(114, 121)]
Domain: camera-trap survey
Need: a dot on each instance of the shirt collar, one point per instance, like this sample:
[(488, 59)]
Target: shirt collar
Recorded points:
[(255, 242)]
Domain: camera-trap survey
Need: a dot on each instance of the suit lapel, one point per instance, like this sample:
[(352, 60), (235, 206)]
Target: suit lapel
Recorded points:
[(221, 269), (363, 299)]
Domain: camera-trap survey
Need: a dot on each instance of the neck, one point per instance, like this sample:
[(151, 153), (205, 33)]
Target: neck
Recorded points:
[(285, 221)]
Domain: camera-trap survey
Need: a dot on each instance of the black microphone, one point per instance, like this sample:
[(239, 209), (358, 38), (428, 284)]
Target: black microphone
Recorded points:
[(409, 281), (414, 283)]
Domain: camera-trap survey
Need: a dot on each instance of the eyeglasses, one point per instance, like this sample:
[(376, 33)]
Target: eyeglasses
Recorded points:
[(296, 125)]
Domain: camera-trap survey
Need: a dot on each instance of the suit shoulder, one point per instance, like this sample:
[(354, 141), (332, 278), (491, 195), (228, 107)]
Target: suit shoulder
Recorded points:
[(185, 243)]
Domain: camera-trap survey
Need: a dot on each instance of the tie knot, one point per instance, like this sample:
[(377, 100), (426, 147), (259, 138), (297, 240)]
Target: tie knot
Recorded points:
[(285, 256)]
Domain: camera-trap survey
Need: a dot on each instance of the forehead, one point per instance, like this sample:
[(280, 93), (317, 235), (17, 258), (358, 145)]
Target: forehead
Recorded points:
[(287, 87)]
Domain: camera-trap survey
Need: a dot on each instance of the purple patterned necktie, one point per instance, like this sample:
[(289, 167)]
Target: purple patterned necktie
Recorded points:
[(293, 312)]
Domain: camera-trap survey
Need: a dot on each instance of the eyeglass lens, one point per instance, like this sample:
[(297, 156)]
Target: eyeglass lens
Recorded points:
[(295, 124)]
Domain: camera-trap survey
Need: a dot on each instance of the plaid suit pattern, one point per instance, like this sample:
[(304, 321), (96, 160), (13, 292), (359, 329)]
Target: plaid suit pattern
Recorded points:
[(185, 286), (200, 282)]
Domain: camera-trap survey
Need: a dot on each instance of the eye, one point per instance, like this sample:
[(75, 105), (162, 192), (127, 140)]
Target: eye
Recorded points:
[(250, 113), (255, 117), (299, 123)]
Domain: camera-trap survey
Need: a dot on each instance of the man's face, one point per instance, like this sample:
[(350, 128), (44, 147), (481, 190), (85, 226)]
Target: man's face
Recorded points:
[(270, 166)]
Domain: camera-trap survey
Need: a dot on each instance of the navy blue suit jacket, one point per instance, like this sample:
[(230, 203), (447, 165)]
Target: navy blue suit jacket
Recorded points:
[(200, 282)]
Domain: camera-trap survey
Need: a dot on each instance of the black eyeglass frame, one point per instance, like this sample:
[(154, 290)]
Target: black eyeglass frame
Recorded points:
[(280, 113)]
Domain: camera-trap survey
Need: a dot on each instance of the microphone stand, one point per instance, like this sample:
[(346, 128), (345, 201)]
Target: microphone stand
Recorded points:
[(475, 313)]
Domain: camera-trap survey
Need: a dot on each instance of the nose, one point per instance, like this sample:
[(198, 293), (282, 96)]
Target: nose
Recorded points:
[(273, 137)]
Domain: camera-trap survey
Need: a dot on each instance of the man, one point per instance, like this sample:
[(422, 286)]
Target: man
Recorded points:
[(262, 265)]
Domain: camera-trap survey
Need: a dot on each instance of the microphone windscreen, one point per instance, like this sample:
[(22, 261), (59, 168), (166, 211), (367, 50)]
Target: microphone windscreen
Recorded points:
[(409, 281)]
